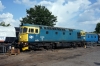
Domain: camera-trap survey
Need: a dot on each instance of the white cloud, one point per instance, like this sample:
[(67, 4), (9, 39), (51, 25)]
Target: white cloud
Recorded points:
[(17, 1), (79, 14), (95, 5), (26, 2), (8, 18), (66, 11), (1, 6), (87, 15)]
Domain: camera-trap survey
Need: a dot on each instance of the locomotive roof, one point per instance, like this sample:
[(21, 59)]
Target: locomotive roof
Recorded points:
[(48, 26), (90, 33)]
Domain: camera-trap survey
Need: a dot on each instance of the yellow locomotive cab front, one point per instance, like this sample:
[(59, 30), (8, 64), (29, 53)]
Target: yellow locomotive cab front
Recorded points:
[(23, 37), (83, 33)]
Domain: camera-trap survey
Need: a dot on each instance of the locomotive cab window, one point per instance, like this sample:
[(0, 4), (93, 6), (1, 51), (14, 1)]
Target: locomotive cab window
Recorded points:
[(36, 31), (31, 30), (24, 30), (82, 33), (78, 35)]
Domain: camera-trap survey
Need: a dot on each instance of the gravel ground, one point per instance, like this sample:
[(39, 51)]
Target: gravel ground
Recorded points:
[(60, 57)]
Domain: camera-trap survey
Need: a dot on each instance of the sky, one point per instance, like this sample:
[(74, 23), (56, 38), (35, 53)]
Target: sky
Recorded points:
[(76, 14)]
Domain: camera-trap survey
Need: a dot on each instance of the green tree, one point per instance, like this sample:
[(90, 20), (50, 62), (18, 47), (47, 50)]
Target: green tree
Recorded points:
[(97, 29), (3, 24), (39, 15)]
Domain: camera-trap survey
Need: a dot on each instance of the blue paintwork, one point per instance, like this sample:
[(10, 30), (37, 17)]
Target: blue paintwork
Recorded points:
[(91, 37), (52, 36), (33, 37)]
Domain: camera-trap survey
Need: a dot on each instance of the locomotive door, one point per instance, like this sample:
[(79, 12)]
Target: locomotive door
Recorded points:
[(36, 35), (31, 35)]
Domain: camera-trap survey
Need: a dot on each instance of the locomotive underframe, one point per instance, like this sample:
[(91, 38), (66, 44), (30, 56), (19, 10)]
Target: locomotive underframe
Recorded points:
[(52, 45)]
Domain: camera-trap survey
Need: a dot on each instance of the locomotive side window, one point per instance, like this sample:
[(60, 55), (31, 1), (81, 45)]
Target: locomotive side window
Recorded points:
[(63, 33), (88, 36), (56, 32), (91, 36), (69, 33), (71, 30), (95, 36), (47, 32), (40, 27), (44, 27)]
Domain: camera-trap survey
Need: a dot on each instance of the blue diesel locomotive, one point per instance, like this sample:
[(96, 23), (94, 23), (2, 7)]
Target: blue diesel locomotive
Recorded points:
[(35, 36)]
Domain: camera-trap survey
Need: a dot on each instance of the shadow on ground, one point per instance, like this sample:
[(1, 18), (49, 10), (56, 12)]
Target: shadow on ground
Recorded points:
[(96, 63)]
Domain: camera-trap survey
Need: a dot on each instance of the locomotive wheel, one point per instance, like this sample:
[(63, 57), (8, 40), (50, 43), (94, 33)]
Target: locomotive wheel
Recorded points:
[(74, 45), (48, 47)]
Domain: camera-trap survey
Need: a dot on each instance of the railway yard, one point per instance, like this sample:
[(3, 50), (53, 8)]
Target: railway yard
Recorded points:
[(89, 56)]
